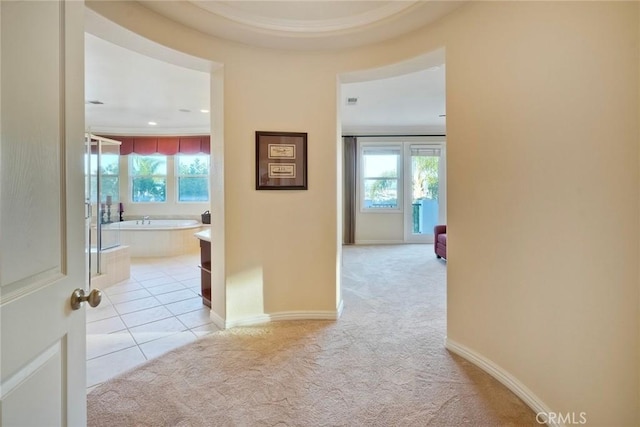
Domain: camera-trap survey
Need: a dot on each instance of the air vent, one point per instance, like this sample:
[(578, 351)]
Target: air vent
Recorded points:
[(184, 110), (352, 101), (95, 102)]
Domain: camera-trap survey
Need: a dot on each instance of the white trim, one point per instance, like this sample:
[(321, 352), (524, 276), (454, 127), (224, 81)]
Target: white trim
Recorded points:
[(247, 321), (506, 378), (144, 130), (340, 309), (216, 319), (298, 27), (105, 141), (304, 315), (275, 317), (379, 242)]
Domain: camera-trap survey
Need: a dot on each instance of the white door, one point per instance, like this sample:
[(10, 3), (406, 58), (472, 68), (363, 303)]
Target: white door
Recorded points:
[(42, 236), (425, 182)]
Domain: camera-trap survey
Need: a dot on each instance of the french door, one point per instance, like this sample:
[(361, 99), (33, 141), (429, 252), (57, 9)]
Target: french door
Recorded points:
[(425, 190)]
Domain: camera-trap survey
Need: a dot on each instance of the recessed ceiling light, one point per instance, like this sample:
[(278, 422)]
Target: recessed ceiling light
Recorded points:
[(184, 110), (204, 111), (152, 123)]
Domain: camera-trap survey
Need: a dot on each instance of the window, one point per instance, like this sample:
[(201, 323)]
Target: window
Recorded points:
[(148, 178), (381, 185), (193, 177), (109, 170)]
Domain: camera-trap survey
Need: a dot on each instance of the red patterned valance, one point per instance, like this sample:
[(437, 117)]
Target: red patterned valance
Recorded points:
[(168, 146), (145, 146), (190, 145)]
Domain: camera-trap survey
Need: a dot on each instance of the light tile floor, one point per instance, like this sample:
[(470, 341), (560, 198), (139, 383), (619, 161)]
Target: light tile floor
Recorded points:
[(157, 310)]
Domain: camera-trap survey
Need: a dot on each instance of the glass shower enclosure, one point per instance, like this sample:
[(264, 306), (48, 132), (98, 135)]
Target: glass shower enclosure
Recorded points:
[(102, 199)]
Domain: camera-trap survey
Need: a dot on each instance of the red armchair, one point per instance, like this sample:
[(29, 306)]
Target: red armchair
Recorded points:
[(440, 241)]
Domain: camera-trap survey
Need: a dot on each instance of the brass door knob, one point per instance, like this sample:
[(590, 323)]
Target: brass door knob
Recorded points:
[(78, 297)]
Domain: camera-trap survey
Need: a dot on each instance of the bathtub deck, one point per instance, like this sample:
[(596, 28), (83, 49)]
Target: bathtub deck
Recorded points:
[(160, 243)]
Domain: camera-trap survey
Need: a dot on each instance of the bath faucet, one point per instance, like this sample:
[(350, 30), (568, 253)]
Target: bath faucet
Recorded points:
[(141, 221)]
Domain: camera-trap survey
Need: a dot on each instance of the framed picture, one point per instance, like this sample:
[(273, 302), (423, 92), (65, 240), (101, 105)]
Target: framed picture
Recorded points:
[(281, 160)]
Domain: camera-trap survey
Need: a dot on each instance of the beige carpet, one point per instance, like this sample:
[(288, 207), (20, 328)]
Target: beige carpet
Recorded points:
[(382, 364)]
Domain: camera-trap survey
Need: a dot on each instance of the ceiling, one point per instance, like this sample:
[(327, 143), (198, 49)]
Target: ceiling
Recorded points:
[(138, 82), (304, 24), (135, 89)]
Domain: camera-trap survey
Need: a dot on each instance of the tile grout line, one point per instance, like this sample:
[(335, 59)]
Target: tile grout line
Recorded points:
[(183, 282)]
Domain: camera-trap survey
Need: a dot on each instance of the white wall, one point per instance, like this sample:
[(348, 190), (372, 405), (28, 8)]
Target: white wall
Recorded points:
[(542, 146), (379, 228), (543, 199)]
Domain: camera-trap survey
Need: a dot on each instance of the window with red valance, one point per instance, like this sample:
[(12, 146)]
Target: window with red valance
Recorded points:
[(167, 146)]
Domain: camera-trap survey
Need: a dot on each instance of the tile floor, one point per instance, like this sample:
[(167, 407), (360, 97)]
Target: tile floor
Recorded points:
[(156, 310)]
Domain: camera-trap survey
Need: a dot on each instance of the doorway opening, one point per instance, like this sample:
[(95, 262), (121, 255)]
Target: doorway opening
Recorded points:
[(395, 116), (393, 123), (156, 102)]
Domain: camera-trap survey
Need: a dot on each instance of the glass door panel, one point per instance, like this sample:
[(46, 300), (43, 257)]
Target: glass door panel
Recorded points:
[(108, 194), (102, 198), (426, 211)]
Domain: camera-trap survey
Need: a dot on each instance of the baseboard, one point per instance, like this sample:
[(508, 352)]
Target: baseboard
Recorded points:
[(340, 308), (216, 319), (275, 317), (304, 315), (379, 242), (508, 380), (247, 321)]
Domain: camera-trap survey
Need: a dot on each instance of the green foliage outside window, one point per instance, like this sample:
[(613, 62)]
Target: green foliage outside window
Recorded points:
[(193, 178), (380, 192), (109, 171), (425, 180), (380, 177), (148, 178)]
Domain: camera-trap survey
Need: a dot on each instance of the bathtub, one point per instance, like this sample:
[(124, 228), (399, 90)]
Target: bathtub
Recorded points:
[(157, 237), (157, 224)]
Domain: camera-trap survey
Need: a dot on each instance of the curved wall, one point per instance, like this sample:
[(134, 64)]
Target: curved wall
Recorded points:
[(542, 111)]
